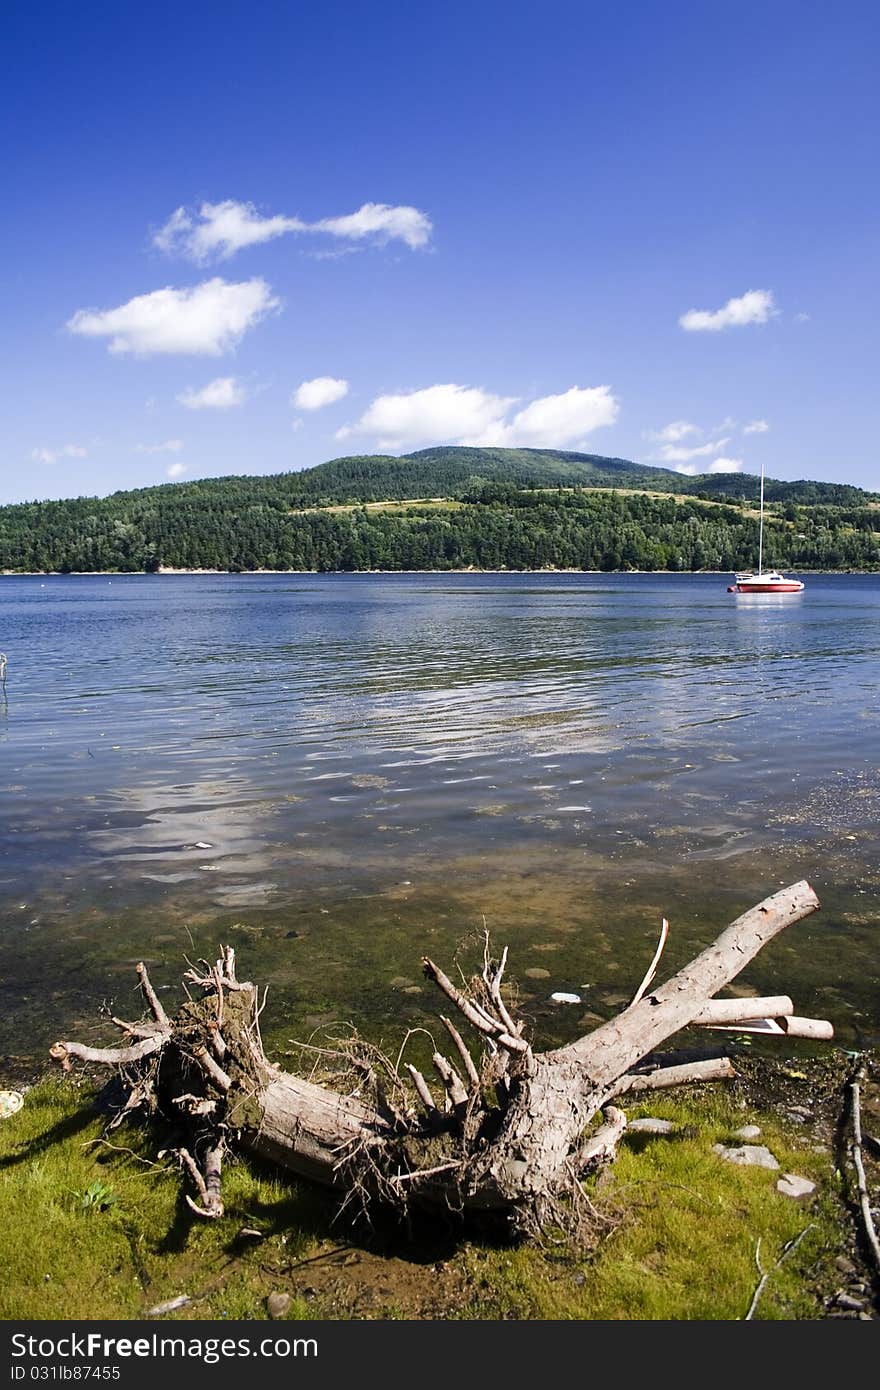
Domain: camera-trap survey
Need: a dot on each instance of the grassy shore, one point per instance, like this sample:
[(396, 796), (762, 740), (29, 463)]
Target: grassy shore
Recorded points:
[(93, 1224)]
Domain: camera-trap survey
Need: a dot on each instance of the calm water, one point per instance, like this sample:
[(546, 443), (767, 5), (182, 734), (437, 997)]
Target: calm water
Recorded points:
[(338, 773)]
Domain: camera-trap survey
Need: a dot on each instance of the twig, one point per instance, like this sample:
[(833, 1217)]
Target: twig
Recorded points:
[(786, 1250), (423, 1090), (467, 1060), (151, 996), (426, 1172), (652, 968), (856, 1148)]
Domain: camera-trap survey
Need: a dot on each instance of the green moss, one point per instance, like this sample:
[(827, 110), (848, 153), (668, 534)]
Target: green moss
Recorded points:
[(683, 1246)]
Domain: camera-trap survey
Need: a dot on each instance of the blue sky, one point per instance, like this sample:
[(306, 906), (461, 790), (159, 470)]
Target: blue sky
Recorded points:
[(249, 238)]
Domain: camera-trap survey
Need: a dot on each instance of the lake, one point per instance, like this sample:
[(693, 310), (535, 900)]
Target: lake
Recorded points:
[(339, 773)]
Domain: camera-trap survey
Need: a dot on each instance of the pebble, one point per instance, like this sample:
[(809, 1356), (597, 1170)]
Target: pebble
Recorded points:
[(535, 972), (750, 1155), (845, 1300), (800, 1113), (790, 1185), (747, 1132), (648, 1125), (277, 1304)]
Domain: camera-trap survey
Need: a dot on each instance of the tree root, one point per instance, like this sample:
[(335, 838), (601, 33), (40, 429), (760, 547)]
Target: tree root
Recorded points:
[(508, 1132)]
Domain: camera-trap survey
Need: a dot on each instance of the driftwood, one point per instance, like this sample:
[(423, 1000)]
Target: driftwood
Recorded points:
[(510, 1131)]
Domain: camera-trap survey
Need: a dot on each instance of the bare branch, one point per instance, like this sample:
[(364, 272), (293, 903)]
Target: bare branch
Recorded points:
[(713, 1069), (106, 1056), (211, 1068), (473, 1075), (613, 1048), (451, 1080), (423, 1090), (739, 1010), (652, 968), (856, 1149), (151, 996), (477, 1017)]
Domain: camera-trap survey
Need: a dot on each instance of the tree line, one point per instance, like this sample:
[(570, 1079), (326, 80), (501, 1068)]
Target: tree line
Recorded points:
[(235, 526)]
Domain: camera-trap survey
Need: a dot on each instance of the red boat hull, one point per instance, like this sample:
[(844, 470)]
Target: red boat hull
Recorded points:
[(794, 587)]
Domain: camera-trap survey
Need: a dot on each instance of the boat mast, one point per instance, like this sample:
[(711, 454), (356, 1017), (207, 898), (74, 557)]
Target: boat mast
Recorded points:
[(761, 527)]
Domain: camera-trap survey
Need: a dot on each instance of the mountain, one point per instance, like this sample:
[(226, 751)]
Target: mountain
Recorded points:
[(450, 471), (490, 509)]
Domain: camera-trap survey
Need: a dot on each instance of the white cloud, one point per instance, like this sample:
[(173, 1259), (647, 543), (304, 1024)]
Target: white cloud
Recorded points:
[(672, 453), (469, 415), (552, 422), (218, 230), (171, 446), (756, 427), (320, 391), (755, 306), (723, 465), (175, 470), (381, 221), (673, 432), (67, 451), (220, 394), (206, 320), (223, 229), (436, 414), (802, 318), (690, 469)]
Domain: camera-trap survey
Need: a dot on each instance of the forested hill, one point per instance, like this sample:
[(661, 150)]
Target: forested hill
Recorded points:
[(452, 471), (493, 508)]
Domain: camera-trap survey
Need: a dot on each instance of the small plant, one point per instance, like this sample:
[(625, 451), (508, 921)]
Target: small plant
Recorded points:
[(97, 1197)]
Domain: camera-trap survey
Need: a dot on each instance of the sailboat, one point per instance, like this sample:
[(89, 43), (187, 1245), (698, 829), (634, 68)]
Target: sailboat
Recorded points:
[(764, 581)]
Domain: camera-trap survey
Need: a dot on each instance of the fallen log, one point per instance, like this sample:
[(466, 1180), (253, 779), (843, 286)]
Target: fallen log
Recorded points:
[(510, 1131)]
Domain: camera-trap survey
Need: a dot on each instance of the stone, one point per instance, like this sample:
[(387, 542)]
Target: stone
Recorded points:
[(535, 972), (800, 1113), (845, 1300), (277, 1304), (790, 1185), (750, 1155), (747, 1132), (648, 1125)]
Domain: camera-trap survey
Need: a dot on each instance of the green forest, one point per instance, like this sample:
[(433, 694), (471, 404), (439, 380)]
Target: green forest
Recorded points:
[(491, 509)]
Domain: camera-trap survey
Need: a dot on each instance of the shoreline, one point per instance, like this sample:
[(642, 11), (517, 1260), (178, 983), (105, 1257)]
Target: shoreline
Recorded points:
[(165, 572)]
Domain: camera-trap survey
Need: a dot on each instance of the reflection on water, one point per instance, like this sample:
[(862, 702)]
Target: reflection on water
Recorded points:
[(337, 766)]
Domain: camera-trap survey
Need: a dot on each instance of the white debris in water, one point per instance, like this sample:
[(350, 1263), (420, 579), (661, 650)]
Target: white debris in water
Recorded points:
[(574, 808), (203, 844), (560, 997)]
